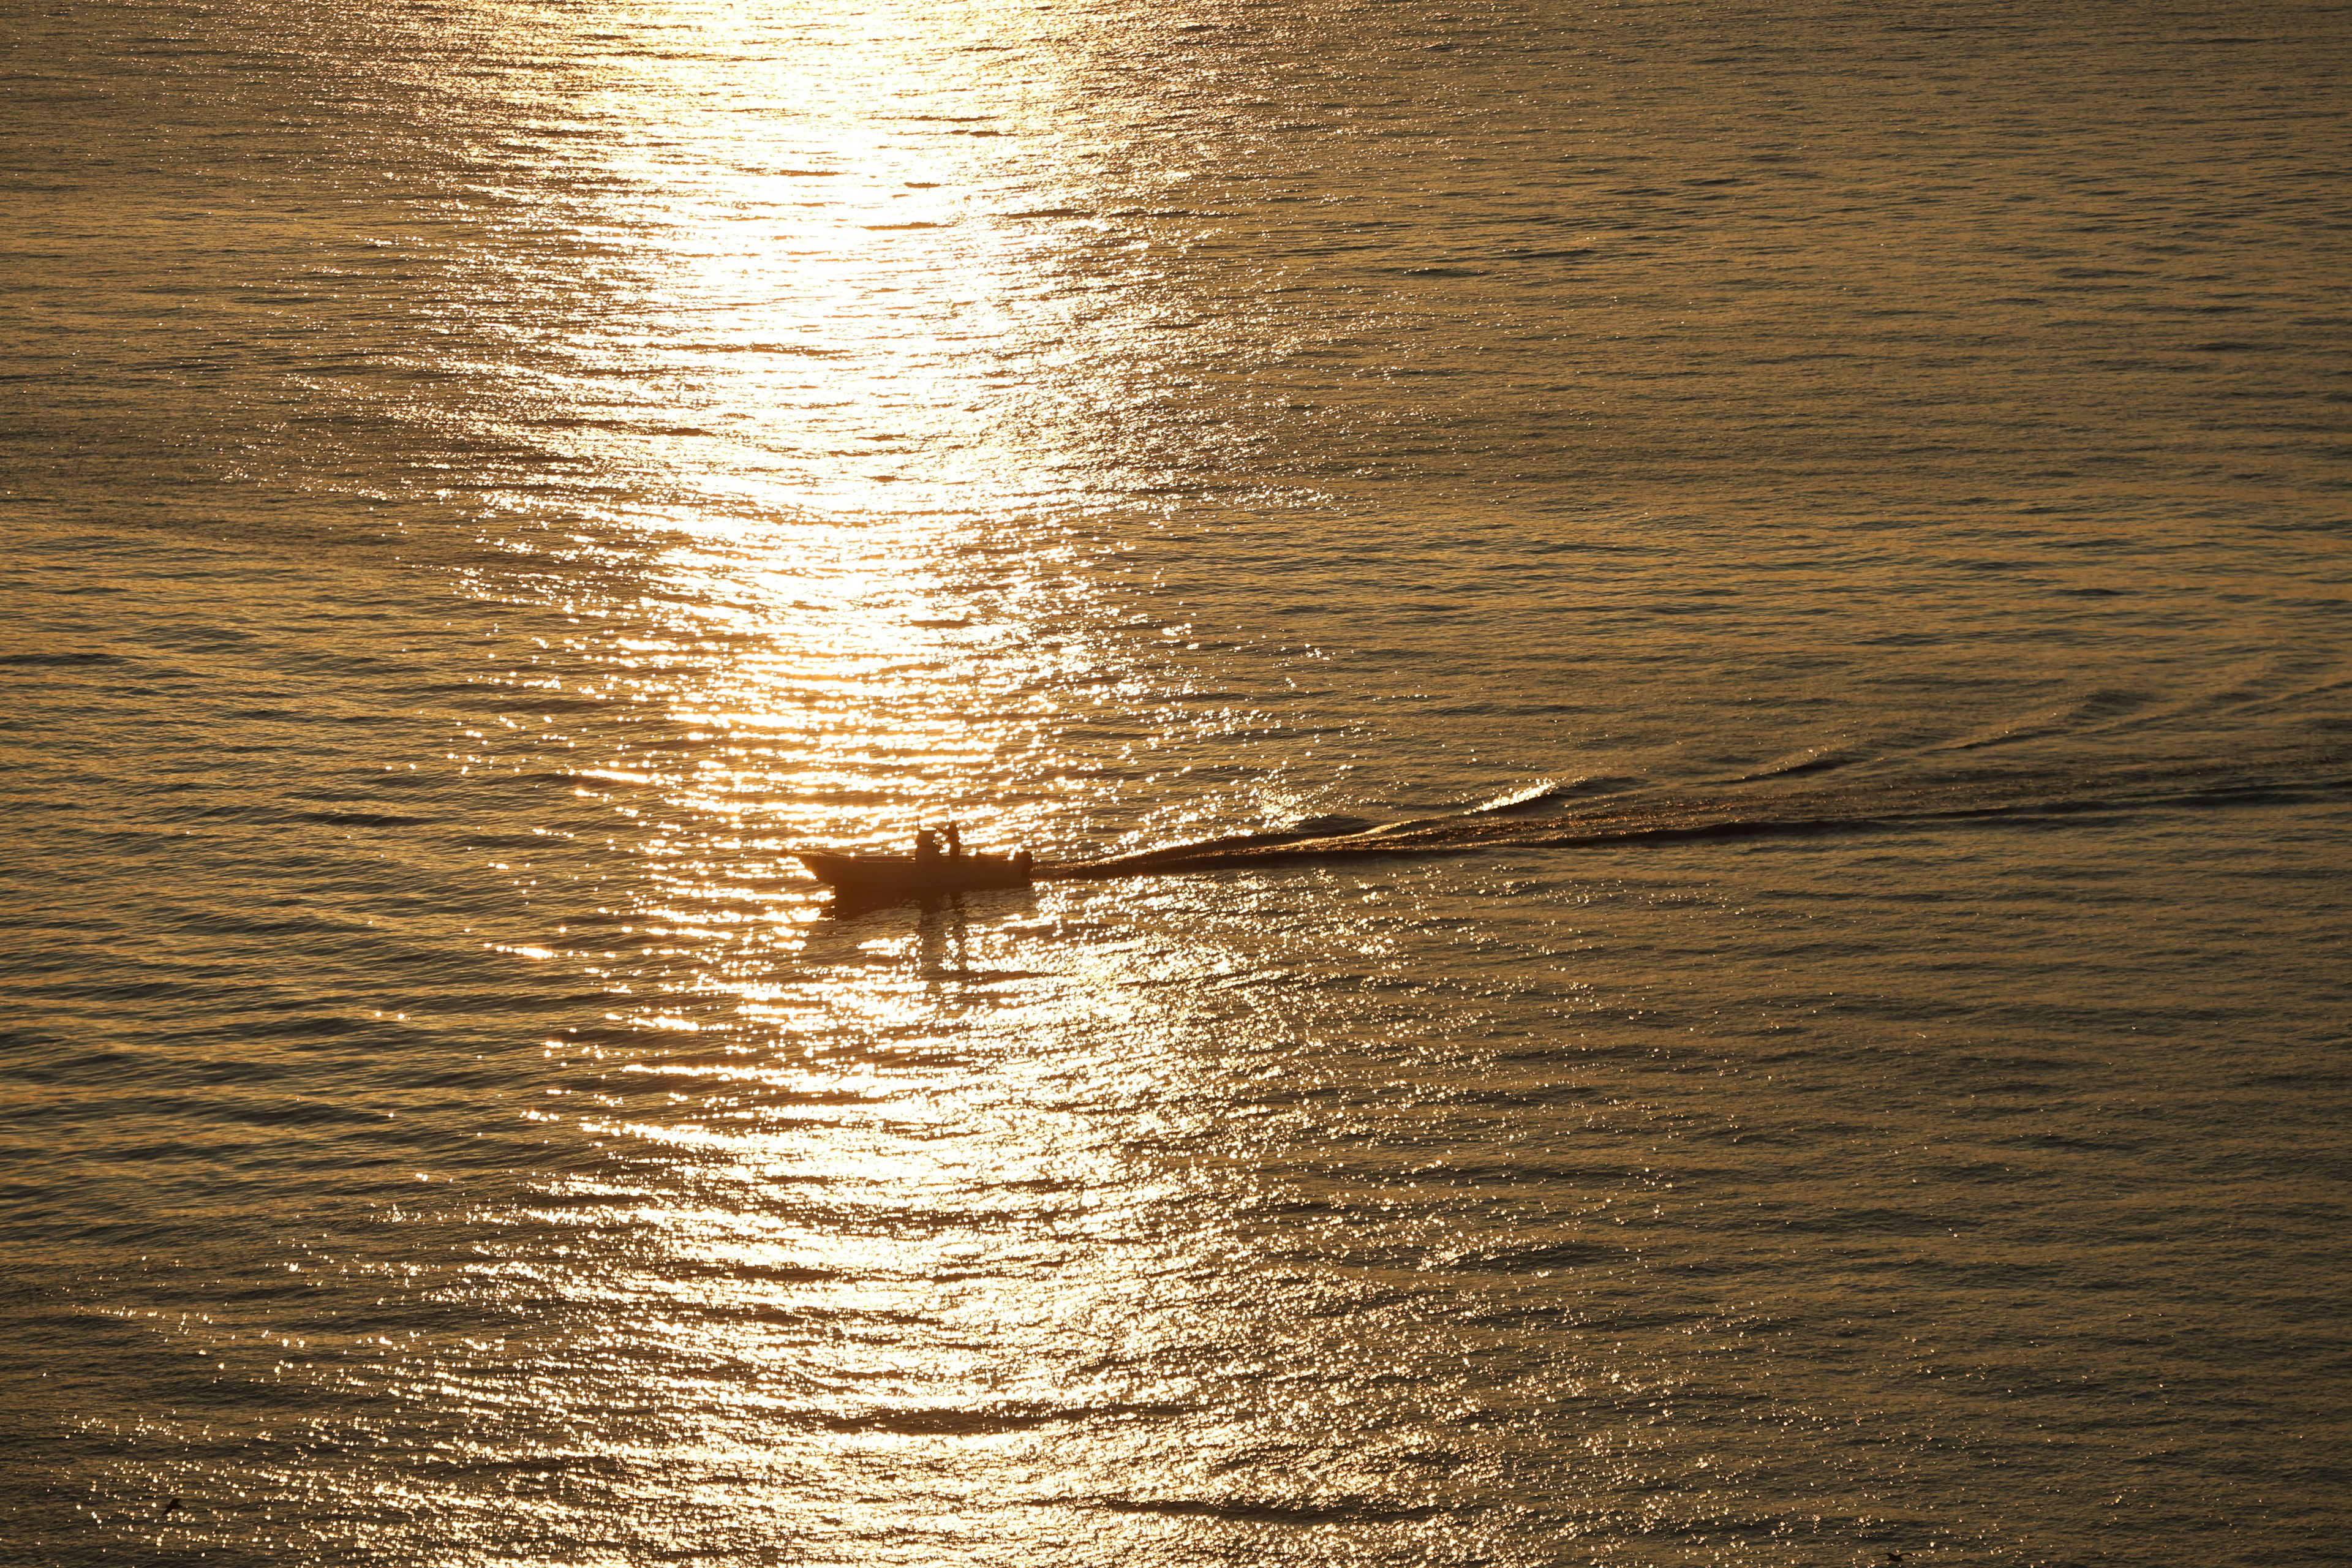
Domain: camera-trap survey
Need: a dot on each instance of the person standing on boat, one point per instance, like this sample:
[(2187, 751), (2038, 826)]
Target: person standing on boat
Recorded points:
[(955, 843)]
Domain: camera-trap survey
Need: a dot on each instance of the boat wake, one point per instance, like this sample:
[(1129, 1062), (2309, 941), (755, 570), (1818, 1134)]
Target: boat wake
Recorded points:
[(1602, 813)]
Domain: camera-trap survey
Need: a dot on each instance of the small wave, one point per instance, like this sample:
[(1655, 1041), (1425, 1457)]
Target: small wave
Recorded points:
[(2004, 735), (932, 1421), (60, 660), (1566, 1254), (1347, 1511), (1535, 794), (1585, 788), (1334, 822), (1813, 759)]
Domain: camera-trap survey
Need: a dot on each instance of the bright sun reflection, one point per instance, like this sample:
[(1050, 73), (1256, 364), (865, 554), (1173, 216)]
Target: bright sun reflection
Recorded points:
[(816, 402), (818, 310)]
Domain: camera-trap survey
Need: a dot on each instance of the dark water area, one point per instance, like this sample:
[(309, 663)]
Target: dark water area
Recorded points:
[(1682, 672)]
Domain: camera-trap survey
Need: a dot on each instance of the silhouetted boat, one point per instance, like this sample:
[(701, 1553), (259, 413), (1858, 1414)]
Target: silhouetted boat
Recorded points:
[(909, 876)]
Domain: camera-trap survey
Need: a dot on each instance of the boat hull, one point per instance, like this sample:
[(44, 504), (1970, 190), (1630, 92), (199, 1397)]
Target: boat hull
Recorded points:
[(902, 876)]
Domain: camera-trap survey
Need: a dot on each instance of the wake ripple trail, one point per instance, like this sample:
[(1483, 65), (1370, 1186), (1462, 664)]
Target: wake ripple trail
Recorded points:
[(1623, 820)]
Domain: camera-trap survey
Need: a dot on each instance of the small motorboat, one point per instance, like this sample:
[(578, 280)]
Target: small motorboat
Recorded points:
[(915, 876)]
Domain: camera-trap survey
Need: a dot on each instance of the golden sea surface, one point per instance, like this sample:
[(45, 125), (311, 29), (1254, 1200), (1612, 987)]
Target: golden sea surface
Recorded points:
[(1816, 535)]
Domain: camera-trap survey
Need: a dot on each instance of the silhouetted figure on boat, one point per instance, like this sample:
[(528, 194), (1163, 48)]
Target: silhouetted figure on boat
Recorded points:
[(940, 864)]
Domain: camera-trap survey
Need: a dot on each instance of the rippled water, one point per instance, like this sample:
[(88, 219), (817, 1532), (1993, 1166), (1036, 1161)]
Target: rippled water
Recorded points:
[(1695, 659)]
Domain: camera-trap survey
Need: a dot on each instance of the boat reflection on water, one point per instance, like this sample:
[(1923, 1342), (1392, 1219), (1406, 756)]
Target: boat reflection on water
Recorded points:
[(848, 904)]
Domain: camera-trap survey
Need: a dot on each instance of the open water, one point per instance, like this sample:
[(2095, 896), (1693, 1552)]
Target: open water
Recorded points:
[(1699, 655)]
